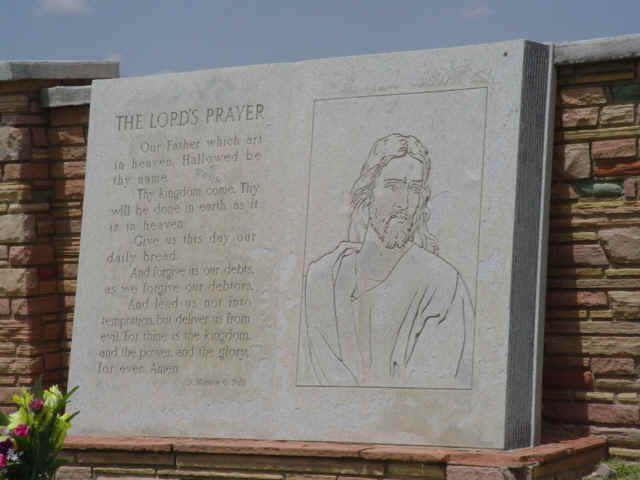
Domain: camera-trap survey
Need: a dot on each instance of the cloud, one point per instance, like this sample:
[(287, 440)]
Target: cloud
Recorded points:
[(64, 7), (477, 12)]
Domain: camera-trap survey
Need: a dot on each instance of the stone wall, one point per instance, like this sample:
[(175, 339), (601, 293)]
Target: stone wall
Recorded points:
[(42, 157), (592, 339), (592, 332)]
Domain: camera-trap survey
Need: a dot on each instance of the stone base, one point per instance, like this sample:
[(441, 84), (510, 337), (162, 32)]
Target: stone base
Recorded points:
[(176, 458)]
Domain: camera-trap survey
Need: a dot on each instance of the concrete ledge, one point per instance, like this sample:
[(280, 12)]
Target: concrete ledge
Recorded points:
[(55, 70), (65, 96), (542, 454), (597, 50)]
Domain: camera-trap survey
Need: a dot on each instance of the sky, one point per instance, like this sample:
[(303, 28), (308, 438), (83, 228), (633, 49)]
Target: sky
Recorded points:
[(161, 36)]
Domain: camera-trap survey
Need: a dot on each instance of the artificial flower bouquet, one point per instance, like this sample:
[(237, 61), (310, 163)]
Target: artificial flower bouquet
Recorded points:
[(33, 435)]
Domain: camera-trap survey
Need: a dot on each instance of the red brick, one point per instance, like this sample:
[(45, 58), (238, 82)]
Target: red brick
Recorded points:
[(35, 305), (53, 331), (622, 148), (66, 136), (614, 168), (69, 116), (23, 171), (571, 298), (69, 189), (31, 255), (591, 412), (613, 366), (45, 227), (579, 117), (39, 137), (564, 255), (567, 379), (34, 106), (582, 96), (52, 361), (46, 273), (68, 170)]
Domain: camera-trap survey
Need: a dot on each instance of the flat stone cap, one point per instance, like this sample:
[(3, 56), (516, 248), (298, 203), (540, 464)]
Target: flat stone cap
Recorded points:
[(65, 96), (58, 69), (597, 50)]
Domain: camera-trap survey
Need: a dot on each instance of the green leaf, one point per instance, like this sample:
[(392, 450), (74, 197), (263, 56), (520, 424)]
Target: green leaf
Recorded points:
[(4, 420), (37, 388)]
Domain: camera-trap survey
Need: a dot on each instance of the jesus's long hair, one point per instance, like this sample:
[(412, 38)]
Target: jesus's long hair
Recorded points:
[(382, 152)]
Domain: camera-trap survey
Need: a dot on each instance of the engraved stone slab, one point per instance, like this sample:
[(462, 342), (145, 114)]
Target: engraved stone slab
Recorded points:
[(344, 249)]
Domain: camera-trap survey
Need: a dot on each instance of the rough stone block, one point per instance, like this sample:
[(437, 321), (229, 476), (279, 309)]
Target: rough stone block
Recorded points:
[(78, 115), (618, 436), (630, 188), (68, 170), (591, 412), (618, 384), (579, 254), (572, 161), (582, 96), (18, 281), (631, 453), (5, 307), (617, 115), (69, 189), (579, 117), (567, 378), (35, 305), (627, 397), (66, 136), (15, 144), (559, 298), (14, 103), (613, 366), (17, 228), (622, 148), (74, 473), (626, 304), (621, 244), (31, 255), (15, 192), (461, 472), (68, 154), (614, 168)]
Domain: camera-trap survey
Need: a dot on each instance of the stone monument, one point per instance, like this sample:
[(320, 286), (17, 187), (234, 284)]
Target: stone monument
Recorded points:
[(344, 250)]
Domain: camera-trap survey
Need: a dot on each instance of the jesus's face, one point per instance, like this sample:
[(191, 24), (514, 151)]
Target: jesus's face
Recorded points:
[(397, 194)]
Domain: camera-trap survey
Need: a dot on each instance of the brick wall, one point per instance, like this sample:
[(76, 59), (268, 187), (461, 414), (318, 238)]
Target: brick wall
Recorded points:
[(592, 331), (592, 340), (42, 154)]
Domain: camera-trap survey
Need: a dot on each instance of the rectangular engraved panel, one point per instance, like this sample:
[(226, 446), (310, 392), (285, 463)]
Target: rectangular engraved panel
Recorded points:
[(321, 250)]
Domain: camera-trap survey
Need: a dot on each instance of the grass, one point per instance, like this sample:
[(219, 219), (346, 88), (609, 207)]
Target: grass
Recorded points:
[(625, 470)]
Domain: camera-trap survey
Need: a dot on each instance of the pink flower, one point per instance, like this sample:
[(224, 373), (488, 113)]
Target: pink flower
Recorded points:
[(21, 430), (36, 404), (3, 461)]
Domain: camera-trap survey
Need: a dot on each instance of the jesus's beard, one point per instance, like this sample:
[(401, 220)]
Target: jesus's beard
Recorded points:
[(395, 230)]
